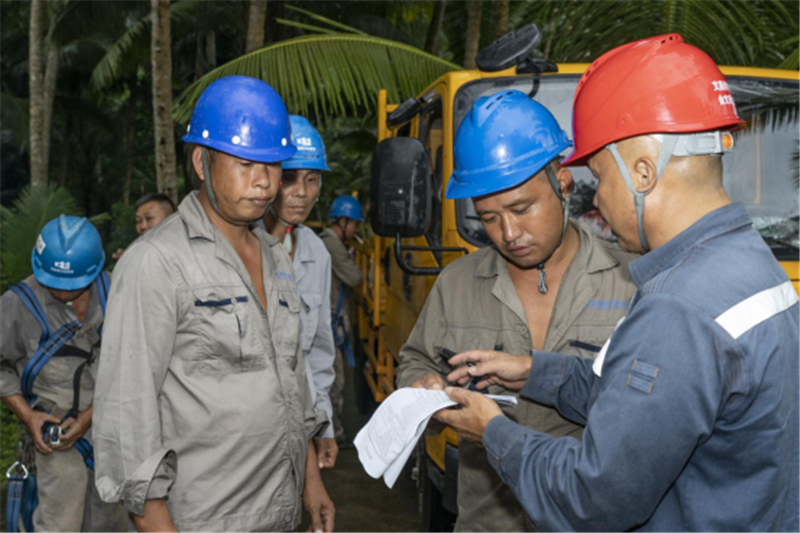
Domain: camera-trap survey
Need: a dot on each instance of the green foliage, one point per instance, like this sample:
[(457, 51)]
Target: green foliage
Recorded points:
[(332, 73), (754, 33), (123, 230), (350, 142), (20, 225), (8, 436)]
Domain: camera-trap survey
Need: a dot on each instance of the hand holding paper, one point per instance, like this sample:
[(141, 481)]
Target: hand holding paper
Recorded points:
[(386, 442)]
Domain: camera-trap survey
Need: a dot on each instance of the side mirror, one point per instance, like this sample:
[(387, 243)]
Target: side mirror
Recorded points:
[(400, 190)]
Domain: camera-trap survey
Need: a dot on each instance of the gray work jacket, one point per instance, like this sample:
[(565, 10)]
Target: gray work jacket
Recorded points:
[(19, 340), (312, 266), (344, 269), (202, 396), (474, 305)]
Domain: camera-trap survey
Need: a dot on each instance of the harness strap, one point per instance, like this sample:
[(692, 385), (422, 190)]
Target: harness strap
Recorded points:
[(342, 342), (25, 293), (86, 451), (30, 501), (43, 355), (14, 502)]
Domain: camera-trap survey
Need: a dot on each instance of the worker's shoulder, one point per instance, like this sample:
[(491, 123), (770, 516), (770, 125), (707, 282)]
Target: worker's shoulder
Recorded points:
[(480, 262), (12, 301), (720, 273), (167, 242), (314, 242), (332, 242)]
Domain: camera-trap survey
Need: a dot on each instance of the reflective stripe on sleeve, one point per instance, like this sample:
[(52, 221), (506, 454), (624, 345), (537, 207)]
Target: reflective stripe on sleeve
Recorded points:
[(751, 312)]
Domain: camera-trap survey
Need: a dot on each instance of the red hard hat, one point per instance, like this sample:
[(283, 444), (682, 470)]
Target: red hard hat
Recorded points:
[(656, 85)]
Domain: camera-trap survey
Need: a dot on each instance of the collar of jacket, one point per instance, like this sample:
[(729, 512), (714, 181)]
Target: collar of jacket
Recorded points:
[(590, 253), (304, 252), (723, 220), (200, 226)]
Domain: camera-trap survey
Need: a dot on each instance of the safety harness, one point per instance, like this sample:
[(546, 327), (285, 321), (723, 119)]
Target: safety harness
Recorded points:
[(342, 341), (337, 321), (22, 488)]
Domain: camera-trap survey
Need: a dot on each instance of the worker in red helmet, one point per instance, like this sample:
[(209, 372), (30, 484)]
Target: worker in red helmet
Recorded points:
[(691, 407)]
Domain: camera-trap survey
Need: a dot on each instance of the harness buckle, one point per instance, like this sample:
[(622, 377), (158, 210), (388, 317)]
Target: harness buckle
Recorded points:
[(51, 433), (16, 466)]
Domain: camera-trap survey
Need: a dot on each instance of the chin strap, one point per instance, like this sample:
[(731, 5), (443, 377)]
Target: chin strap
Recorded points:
[(287, 238), (668, 143), (551, 177), (212, 197)]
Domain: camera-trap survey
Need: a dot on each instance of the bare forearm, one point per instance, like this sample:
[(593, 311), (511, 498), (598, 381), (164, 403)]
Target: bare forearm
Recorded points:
[(18, 405), (312, 465), (156, 517)]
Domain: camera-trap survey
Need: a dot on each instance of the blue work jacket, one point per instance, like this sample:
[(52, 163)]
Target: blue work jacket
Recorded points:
[(691, 410)]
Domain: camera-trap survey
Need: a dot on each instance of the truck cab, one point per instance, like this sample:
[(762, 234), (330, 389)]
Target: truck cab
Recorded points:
[(418, 232)]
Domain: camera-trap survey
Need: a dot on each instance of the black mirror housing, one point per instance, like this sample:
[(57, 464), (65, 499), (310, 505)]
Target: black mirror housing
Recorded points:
[(400, 190)]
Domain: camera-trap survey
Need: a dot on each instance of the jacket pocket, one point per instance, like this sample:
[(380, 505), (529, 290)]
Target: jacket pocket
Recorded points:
[(286, 327), (309, 318), (227, 334)]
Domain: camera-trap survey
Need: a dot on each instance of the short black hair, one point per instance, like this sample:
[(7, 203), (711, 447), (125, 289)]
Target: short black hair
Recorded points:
[(155, 197)]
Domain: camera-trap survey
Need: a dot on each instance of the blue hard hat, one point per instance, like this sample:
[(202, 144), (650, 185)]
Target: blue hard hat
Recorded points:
[(505, 139), (68, 254), (310, 148), (243, 117), (346, 206)]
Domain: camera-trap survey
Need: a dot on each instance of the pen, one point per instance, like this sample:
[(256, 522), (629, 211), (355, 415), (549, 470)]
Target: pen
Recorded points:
[(472, 384)]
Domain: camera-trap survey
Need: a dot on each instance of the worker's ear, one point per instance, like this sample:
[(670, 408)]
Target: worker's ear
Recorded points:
[(197, 162), (565, 180)]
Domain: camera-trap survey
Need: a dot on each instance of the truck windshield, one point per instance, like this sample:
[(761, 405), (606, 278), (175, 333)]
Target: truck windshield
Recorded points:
[(762, 172)]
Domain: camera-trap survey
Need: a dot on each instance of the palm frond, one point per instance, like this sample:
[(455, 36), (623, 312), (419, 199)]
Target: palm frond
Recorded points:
[(792, 61), (329, 73), (15, 119), (732, 32), (132, 50), (326, 20), (307, 27)]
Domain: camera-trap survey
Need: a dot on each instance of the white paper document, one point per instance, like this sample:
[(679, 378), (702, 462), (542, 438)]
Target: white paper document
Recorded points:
[(387, 441)]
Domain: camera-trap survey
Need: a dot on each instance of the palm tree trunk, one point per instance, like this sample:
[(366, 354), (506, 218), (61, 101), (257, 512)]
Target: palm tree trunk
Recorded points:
[(36, 87), (255, 25), (50, 77), (162, 100), (63, 167), (474, 11), (435, 27), (501, 18), (211, 50), (128, 129)]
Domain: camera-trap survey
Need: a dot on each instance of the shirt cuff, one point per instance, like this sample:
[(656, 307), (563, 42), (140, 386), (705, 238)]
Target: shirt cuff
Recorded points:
[(499, 438), (316, 424), (162, 480), (136, 489), (10, 384), (547, 372)]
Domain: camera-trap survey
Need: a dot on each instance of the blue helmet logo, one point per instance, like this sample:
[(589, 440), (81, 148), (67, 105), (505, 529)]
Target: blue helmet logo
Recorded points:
[(310, 147)]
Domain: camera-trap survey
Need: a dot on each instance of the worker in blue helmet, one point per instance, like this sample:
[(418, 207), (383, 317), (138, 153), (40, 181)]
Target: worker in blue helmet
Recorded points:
[(345, 215), (301, 183), (50, 332), (204, 364), (545, 282)]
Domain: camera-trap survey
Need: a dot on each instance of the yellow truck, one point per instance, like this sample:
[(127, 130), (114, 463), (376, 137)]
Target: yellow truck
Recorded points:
[(418, 231)]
